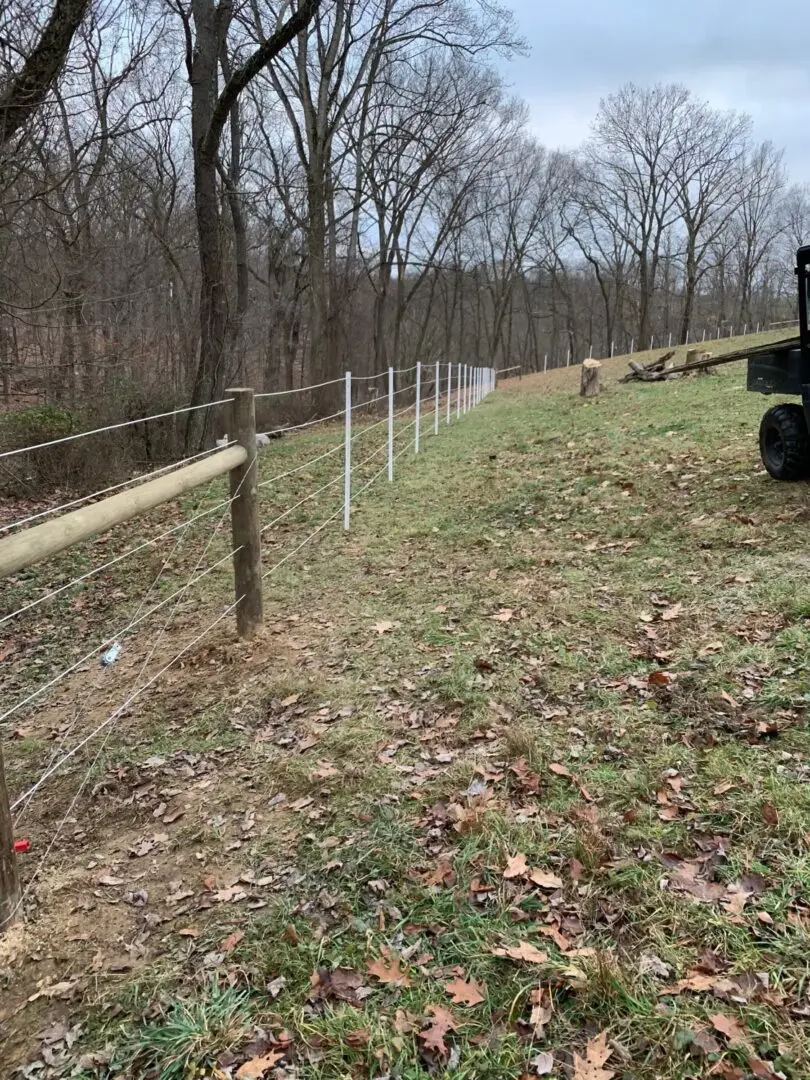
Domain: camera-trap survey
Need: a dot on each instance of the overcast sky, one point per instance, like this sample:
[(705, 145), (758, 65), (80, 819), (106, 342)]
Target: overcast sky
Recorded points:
[(753, 57)]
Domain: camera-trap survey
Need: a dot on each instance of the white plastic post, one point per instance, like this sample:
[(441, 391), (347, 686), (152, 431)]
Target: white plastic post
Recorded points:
[(670, 340), (458, 393), (418, 406), (704, 333), (545, 363), (687, 336), (436, 395), (464, 389), (347, 455), (632, 344), (745, 330), (449, 390), (568, 357), (612, 348), (731, 331), (652, 339), (718, 333), (590, 351), (390, 424), (757, 327)]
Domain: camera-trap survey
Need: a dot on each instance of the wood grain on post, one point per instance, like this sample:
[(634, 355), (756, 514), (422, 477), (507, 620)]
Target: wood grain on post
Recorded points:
[(31, 546), (245, 518), (589, 379), (9, 877)]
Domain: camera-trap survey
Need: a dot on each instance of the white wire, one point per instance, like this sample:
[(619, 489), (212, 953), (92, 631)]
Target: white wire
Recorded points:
[(300, 468), (312, 495), (68, 730), (113, 427), (133, 697), (404, 370), (370, 457), (307, 423), (154, 644), (370, 427), (113, 637), (368, 378), (112, 562), (303, 543), (115, 487), (299, 389)]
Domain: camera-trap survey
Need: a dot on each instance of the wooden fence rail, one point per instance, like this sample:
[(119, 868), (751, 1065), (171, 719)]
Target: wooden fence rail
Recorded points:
[(34, 545)]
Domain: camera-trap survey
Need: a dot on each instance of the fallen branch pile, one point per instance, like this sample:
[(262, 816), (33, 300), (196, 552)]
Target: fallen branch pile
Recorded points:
[(657, 371)]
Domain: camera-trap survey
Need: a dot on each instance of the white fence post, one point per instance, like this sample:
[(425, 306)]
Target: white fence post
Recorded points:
[(757, 327), (568, 357), (347, 455), (436, 395), (545, 363), (612, 348), (390, 424), (458, 394), (632, 344), (704, 333), (652, 339), (449, 389), (464, 389), (670, 340), (718, 333), (731, 331), (418, 405), (745, 330), (687, 336)]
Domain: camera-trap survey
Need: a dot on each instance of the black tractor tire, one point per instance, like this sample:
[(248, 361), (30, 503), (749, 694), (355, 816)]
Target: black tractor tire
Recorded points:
[(784, 443)]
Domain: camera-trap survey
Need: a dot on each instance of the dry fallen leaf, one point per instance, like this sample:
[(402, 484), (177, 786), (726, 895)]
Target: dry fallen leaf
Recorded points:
[(545, 880), (596, 1054), (388, 969), (770, 815), (442, 1022), (293, 699), (504, 615), (325, 771), (543, 1064), (384, 626), (256, 1068), (231, 941), (516, 866), (559, 770), (726, 785), (523, 951), (729, 1027), (466, 993), (671, 613)]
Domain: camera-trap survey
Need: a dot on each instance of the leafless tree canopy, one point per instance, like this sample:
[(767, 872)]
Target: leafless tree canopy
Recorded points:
[(199, 192)]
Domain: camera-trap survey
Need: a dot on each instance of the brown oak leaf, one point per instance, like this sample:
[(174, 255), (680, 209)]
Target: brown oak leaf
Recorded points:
[(466, 993), (516, 866), (523, 951), (596, 1054), (442, 1022)]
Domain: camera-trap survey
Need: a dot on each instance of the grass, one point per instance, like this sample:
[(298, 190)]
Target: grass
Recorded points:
[(538, 564)]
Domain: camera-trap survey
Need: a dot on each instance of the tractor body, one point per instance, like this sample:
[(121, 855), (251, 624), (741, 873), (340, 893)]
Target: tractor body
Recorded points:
[(784, 434)]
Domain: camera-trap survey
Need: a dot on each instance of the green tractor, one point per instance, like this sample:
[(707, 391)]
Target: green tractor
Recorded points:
[(784, 368)]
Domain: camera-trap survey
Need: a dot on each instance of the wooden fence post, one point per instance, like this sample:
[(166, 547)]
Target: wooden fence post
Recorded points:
[(9, 877), (245, 519)]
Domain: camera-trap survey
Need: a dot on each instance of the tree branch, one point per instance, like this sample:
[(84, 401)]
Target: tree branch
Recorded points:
[(28, 89), (266, 52)]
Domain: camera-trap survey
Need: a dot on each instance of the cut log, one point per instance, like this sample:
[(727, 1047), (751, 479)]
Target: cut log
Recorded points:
[(589, 382)]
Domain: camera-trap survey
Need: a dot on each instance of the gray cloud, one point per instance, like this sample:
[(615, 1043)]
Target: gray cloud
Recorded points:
[(748, 56)]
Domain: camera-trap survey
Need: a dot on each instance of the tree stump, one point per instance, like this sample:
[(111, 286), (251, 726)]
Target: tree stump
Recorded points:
[(589, 383)]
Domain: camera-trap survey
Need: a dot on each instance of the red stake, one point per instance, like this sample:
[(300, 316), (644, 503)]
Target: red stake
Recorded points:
[(22, 846)]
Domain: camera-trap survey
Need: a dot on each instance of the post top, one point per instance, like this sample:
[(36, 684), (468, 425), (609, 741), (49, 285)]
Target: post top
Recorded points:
[(239, 390)]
